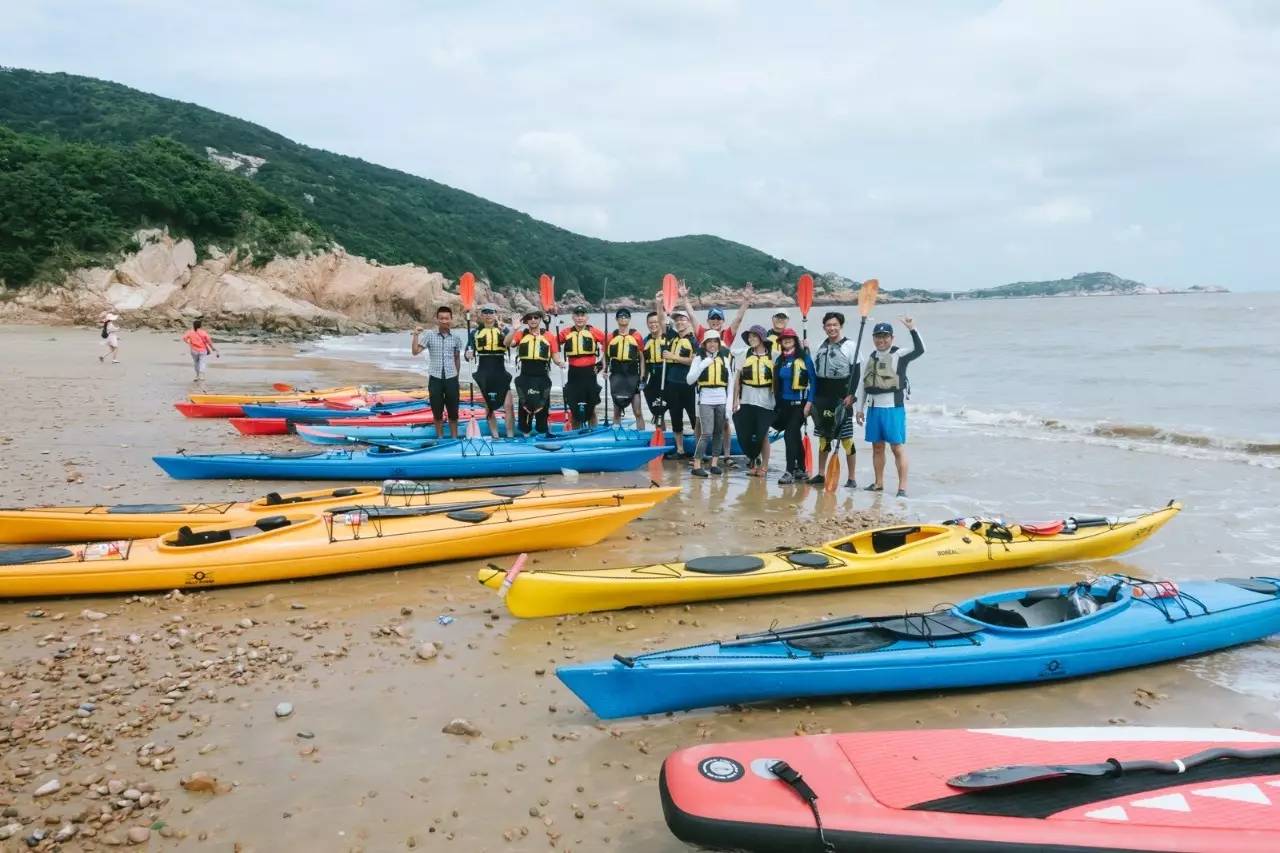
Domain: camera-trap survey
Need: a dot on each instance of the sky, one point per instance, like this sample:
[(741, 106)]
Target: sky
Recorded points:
[(945, 145)]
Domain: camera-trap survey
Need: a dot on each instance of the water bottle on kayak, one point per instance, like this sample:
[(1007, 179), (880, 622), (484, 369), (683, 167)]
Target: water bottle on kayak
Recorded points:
[(101, 550)]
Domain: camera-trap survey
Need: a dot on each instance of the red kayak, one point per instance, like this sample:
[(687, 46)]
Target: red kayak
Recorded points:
[(1061, 790), (209, 410), (280, 426)]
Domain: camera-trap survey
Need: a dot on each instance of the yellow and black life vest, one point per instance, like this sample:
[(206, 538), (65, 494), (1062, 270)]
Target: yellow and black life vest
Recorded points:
[(799, 373), (771, 339), (757, 371), (489, 341), (579, 342), (534, 347), (623, 348), (682, 346), (715, 374), (653, 347)]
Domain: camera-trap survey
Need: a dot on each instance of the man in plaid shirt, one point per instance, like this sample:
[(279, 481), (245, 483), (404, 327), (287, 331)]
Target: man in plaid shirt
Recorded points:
[(444, 358)]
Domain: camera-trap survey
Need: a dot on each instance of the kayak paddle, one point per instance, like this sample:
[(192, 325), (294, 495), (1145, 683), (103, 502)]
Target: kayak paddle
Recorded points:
[(1018, 774), (547, 297), (604, 312), (867, 294), (804, 298), (467, 291), (283, 387)]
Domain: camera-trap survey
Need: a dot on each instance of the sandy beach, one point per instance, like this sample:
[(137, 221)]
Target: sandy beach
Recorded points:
[(122, 699)]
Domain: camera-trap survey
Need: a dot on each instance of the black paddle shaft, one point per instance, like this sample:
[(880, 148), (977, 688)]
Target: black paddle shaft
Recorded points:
[(998, 777)]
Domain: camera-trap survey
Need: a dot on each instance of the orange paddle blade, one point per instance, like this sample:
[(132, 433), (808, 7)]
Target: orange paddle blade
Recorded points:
[(807, 447), (467, 290), (832, 474), (659, 438), (804, 294), (867, 295), (670, 292), (282, 387), (546, 291)]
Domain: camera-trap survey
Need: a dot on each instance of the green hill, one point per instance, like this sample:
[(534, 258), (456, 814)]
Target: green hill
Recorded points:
[(1079, 284), (371, 210)]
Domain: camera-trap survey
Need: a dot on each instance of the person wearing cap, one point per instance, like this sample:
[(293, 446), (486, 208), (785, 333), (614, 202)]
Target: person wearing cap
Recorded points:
[(715, 317), (582, 344), (536, 350), (794, 371), (444, 365), (753, 411), (710, 373), (781, 320), (836, 377), (624, 355), (678, 395), (200, 345), (885, 388), (488, 349), (110, 336)]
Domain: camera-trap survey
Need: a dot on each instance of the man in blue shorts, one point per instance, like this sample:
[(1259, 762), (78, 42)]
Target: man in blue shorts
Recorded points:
[(884, 392)]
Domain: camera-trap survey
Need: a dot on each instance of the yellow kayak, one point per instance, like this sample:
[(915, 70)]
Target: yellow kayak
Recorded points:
[(390, 396), (300, 545), (880, 555), (136, 521)]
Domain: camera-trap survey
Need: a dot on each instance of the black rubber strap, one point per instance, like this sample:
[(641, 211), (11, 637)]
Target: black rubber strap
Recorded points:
[(795, 782)]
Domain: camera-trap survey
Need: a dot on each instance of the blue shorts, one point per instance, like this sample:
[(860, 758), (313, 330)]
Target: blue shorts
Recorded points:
[(887, 423)]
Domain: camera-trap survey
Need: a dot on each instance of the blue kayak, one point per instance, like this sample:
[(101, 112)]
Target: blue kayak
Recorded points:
[(1022, 636), (480, 457), (409, 434)]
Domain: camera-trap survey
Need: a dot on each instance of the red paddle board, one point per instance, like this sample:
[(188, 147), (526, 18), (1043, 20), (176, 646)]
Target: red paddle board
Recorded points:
[(888, 791)]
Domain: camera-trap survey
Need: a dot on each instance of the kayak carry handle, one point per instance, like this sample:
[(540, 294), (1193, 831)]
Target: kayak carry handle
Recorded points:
[(629, 663)]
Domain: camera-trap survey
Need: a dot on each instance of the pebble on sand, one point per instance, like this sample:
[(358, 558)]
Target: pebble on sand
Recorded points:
[(284, 709), (428, 650), (53, 786), (139, 834), (459, 726)]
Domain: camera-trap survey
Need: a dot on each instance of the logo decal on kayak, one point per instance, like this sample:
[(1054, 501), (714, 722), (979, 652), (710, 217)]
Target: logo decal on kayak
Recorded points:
[(1053, 669), (199, 578), (719, 769)]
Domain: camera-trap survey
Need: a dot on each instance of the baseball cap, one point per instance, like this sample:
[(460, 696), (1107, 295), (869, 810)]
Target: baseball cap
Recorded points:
[(581, 309), (530, 314), (882, 329), (777, 314), (488, 308), (715, 314)]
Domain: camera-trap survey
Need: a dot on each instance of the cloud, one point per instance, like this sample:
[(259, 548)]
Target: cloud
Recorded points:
[(549, 162), (1059, 211)]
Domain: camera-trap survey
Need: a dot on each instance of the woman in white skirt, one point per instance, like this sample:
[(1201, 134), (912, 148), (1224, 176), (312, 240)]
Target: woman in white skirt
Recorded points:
[(110, 337), (711, 375)]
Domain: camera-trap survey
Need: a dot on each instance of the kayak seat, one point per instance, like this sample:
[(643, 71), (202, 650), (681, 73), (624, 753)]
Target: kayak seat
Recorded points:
[(21, 556), (808, 559), (890, 538), (272, 522), (471, 516), (344, 493), (130, 509), (1038, 612), (274, 499), (510, 491), (1258, 585), (738, 564), (187, 536)]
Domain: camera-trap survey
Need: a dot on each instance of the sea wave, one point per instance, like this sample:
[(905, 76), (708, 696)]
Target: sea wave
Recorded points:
[(1144, 437)]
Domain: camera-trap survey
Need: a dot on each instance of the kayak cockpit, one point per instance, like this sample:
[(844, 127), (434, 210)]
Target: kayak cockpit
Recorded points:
[(881, 540), (187, 537), (1044, 608)]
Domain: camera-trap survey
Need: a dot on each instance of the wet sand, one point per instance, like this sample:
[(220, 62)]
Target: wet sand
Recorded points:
[(138, 693)]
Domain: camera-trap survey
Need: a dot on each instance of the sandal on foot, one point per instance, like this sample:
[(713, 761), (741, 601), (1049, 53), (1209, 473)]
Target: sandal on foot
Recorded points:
[(874, 488), (902, 493)]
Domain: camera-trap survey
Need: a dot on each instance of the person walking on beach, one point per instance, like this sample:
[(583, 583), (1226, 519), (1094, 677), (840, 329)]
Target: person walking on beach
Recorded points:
[(536, 350), (753, 411), (625, 356), (444, 360), (836, 372), (710, 372), (200, 345), (488, 349), (582, 344), (885, 388), (110, 337), (794, 371)]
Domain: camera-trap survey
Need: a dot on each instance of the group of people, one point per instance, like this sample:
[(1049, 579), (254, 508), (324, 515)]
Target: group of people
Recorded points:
[(687, 371), (199, 343)]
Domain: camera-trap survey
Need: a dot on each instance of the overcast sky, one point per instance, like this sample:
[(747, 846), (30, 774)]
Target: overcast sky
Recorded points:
[(951, 144)]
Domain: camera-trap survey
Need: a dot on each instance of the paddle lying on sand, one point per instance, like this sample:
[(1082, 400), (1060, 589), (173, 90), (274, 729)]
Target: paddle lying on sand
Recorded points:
[(467, 290), (804, 298), (867, 295), (999, 777)]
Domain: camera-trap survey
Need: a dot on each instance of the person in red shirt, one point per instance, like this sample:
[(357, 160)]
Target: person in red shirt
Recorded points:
[(535, 350), (200, 345), (624, 359), (582, 344), (715, 317)]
